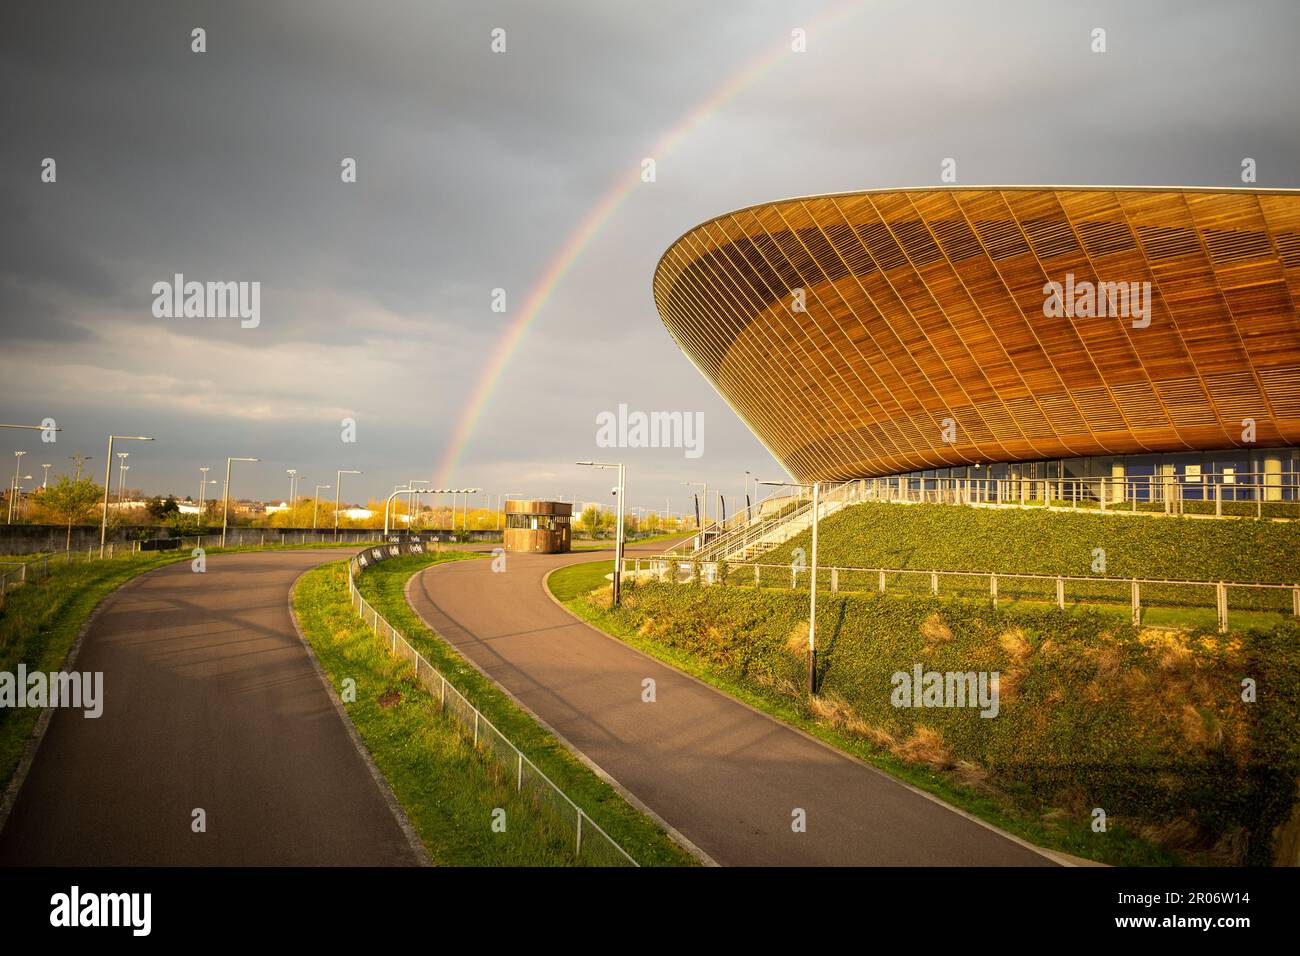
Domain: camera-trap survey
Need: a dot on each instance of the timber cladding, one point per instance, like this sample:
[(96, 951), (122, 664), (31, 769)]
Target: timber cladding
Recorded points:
[(884, 332), (541, 527)]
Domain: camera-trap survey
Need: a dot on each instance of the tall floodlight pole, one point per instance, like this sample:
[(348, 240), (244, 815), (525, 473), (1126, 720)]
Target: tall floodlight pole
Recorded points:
[(454, 492), (108, 479), (13, 487), (338, 487), (618, 525), (45, 479), (203, 488), (812, 584), (414, 505), (501, 500), (225, 505), (293, 480), (315, 503), (122, 456), (704, 518)]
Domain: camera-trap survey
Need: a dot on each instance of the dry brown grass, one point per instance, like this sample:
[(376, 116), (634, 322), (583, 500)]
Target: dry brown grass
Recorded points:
[(1176, 835), (934, 630), (926, 746), (796, 642), (1015, 644), (1201, 728)]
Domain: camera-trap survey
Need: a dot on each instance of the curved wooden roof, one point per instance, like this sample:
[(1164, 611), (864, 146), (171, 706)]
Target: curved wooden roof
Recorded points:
[(923, 305)]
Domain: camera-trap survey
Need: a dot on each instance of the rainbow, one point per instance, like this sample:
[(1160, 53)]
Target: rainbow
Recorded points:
[(591, 225)]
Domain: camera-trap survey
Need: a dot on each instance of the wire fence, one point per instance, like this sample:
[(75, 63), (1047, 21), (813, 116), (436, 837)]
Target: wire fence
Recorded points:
[(592, 845), (1059, 589)]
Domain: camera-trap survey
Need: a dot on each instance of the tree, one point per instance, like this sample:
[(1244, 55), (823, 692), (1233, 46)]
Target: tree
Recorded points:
[(159, 509), (71, 501), (591, 520)]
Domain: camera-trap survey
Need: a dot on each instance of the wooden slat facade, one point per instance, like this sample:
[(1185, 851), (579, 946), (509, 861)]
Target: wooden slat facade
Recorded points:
[(923, 305)]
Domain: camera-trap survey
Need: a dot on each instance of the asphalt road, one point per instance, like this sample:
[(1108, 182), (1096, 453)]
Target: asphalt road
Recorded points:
[(210, 701), (727, 777)]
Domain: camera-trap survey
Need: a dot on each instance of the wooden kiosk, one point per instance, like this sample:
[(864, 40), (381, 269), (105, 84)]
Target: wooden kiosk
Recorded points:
[(542, 527)]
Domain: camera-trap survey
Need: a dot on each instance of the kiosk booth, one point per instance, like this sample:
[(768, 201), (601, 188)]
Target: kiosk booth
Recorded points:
[(542, 527)]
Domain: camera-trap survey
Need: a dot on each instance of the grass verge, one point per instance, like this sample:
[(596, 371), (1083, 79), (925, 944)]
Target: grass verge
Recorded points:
[(383, 585), (451, 791)]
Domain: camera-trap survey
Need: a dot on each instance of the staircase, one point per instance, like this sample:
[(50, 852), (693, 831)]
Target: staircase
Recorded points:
[(749, 540)]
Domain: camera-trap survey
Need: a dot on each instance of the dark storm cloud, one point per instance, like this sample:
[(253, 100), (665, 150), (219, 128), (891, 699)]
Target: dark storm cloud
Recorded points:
[(475, 168)]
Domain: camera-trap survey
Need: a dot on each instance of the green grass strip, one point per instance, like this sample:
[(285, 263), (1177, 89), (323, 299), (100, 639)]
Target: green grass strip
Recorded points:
[(383, 586), (449, 789)]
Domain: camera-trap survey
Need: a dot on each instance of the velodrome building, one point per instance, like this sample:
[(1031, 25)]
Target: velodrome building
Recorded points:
[(1004, 332)]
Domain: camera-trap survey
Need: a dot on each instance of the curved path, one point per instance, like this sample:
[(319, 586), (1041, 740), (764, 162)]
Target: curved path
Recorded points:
[(726, 776), (210, 701)]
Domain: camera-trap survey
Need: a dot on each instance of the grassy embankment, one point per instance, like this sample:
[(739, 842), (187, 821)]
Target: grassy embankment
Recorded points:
[(1149, 726), (394, 737), (956, 538)]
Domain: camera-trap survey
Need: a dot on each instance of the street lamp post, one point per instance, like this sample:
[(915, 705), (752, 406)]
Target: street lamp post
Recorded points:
[(501, 498), (812, 583), (108, 480), (315, 504), (338, 486), (21, 508), (13, 488), (618, 526), (225, 504), (414, 505), (704, 518)]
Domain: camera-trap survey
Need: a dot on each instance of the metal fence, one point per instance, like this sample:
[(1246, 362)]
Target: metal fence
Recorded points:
[(1058, 589), (1247, 495), (591, 843), (14, 574)]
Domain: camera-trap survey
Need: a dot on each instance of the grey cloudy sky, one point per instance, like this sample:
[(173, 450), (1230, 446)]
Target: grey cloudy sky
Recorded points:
[(475, 168)]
